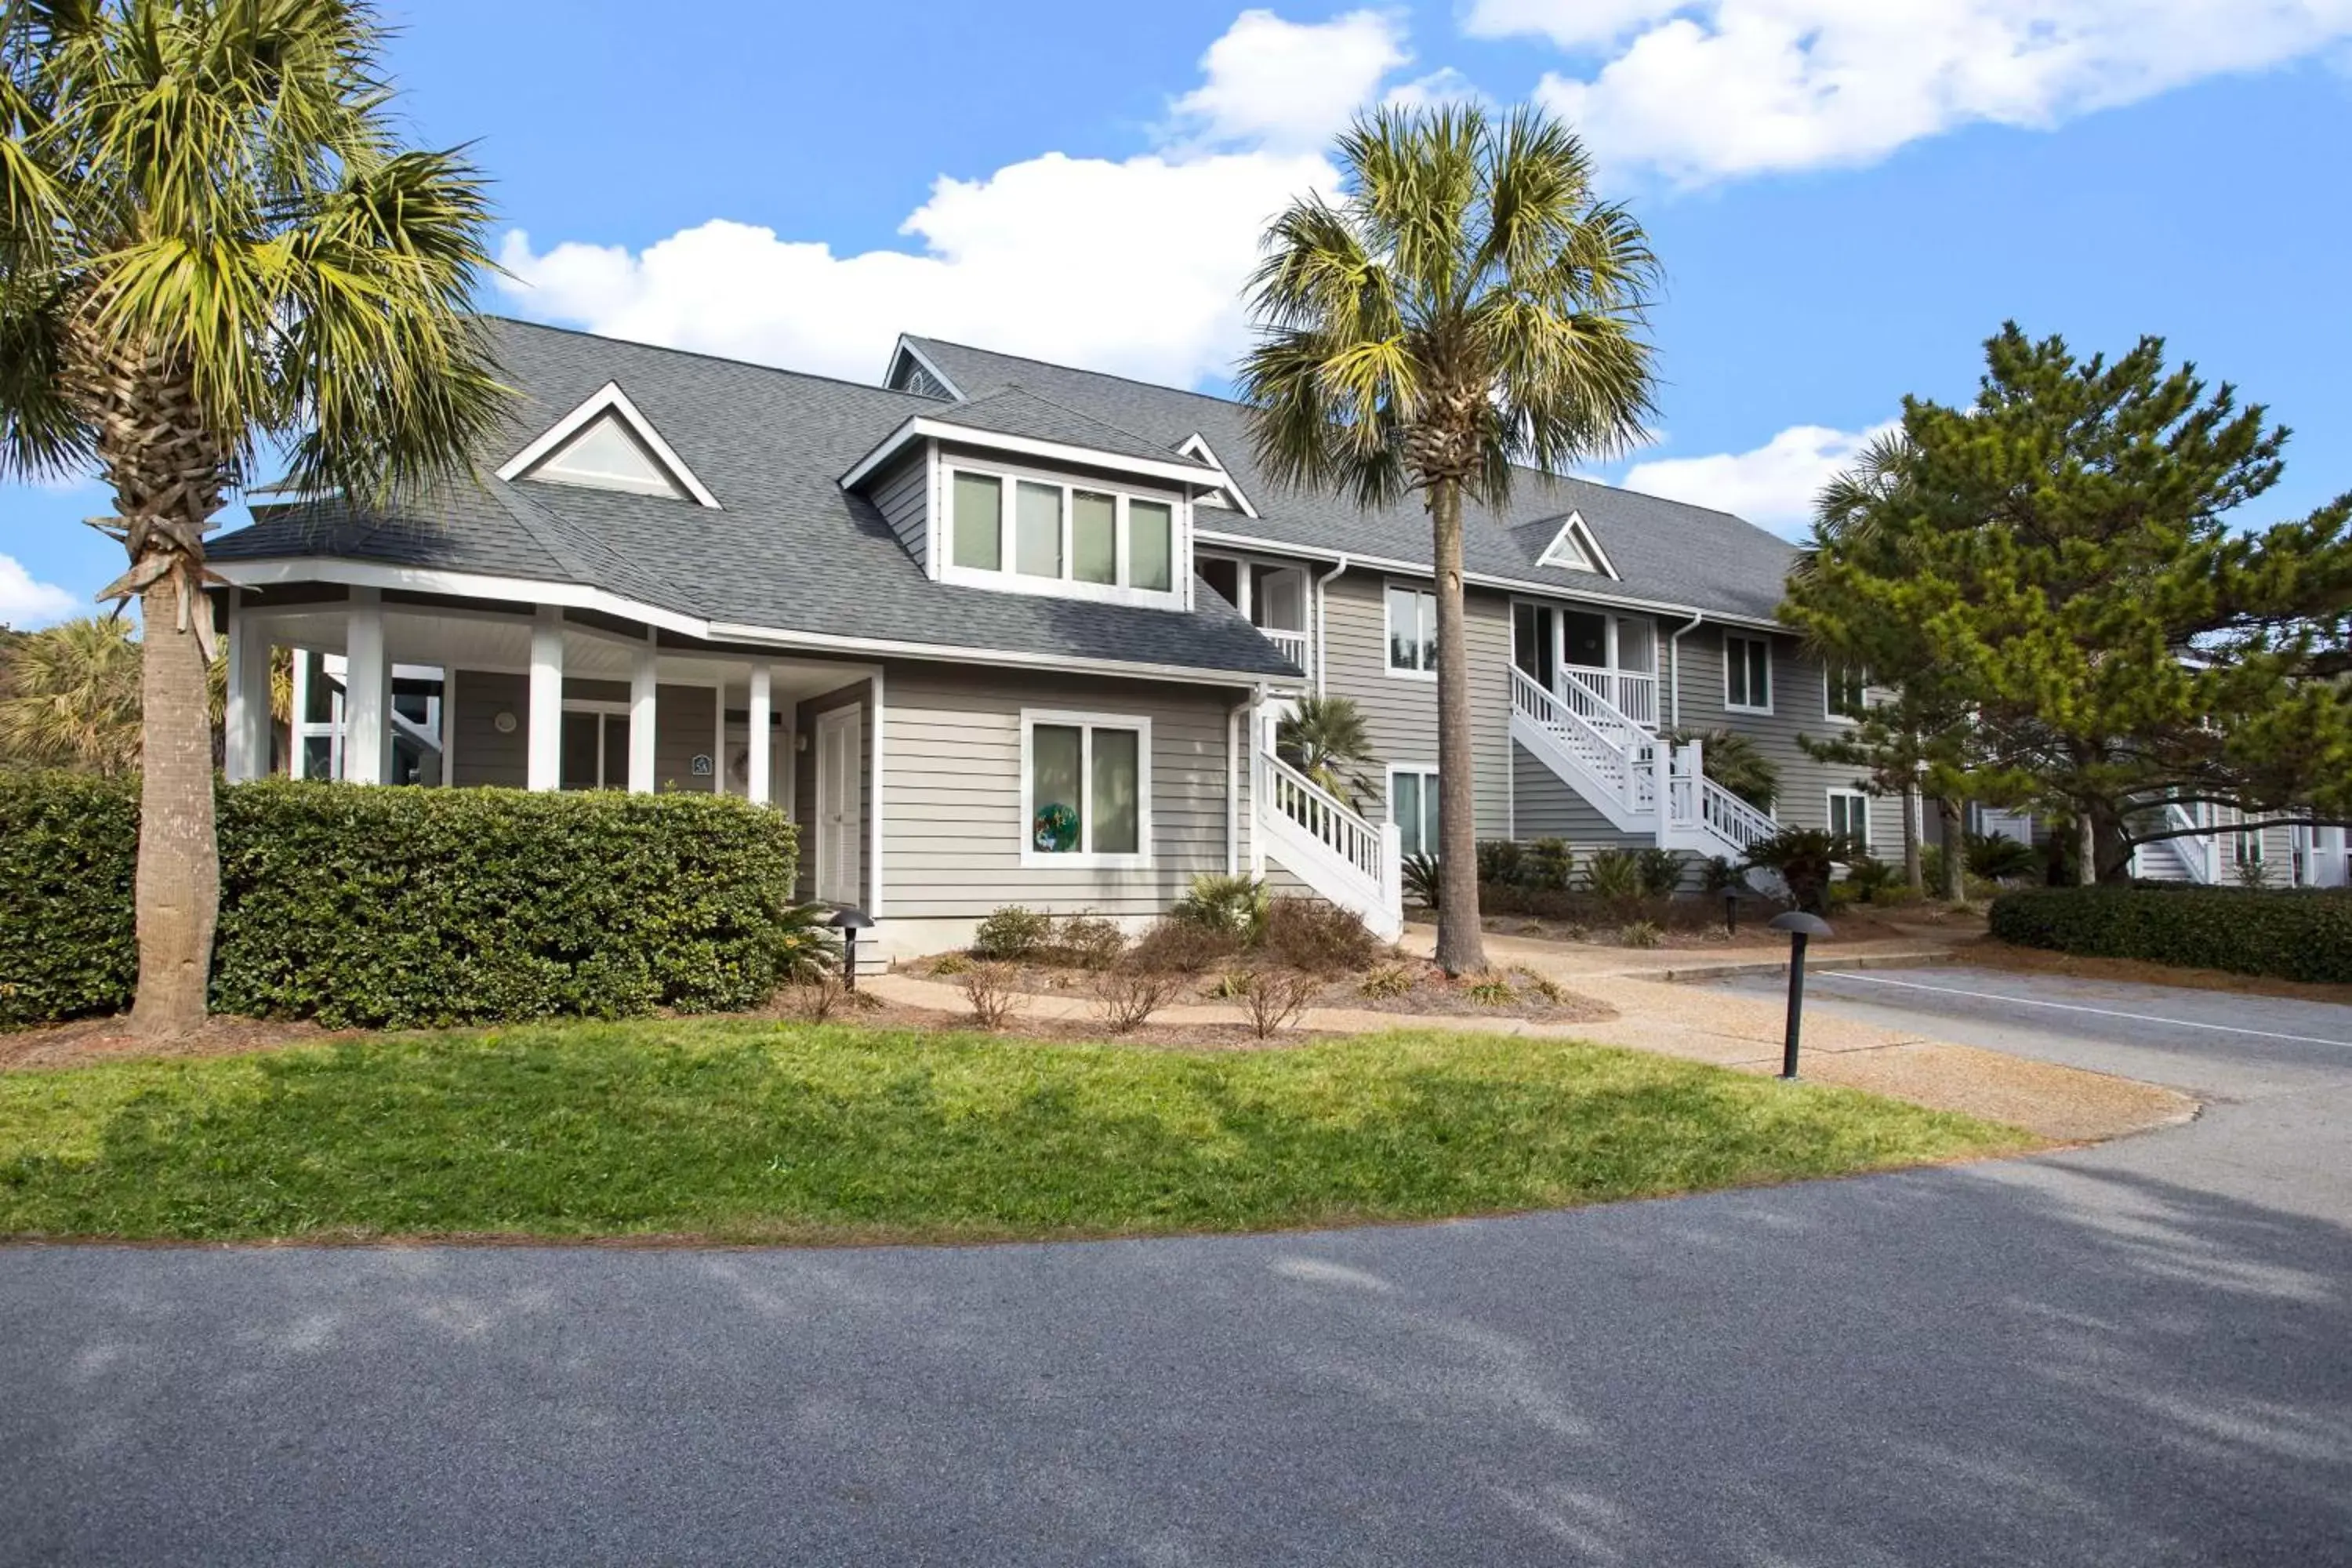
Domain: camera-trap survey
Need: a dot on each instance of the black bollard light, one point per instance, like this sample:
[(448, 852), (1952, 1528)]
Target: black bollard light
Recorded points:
[(1731, 911), (849, 923), (1801, 928)]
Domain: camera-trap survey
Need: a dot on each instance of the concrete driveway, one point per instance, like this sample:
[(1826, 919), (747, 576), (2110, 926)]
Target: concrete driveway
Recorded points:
[(2135, 1354)]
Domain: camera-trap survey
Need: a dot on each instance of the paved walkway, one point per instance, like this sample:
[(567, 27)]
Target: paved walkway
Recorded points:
[(1656, 1012)]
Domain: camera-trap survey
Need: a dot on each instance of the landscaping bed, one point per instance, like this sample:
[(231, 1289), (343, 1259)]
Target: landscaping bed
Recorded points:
[(750, 1131)]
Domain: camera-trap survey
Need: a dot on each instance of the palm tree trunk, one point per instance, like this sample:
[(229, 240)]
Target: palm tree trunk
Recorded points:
[(178, 896), (1460, 948)]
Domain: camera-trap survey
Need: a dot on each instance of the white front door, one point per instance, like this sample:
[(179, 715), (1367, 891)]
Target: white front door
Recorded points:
[(840, 810)]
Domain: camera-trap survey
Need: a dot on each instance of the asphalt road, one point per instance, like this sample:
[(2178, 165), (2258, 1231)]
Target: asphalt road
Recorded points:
[(2138, 1354)]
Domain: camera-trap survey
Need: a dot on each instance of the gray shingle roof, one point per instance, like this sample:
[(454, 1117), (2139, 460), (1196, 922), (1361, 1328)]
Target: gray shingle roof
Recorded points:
[(1666, 552), (1017, 411), (789, 550)]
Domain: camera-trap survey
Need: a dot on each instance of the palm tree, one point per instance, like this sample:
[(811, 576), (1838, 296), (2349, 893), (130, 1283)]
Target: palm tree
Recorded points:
[(213, 245), (1467, 306), (1324, 740), (70, 697)]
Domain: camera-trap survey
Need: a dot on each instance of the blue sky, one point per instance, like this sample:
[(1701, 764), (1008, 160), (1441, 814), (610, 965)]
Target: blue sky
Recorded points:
[(1848, 195)]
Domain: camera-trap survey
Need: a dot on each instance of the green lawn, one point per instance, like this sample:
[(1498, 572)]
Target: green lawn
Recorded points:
[(741, 1130)]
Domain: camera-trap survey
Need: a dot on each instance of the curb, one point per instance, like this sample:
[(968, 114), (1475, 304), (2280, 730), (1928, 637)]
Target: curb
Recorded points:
[(1818, 964)]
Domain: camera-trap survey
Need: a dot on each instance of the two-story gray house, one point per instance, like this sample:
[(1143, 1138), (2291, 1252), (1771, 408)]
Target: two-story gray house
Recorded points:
[(999, 631)]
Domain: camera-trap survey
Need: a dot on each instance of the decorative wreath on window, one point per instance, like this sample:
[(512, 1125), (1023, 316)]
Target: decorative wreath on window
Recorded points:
[(1056, 828)]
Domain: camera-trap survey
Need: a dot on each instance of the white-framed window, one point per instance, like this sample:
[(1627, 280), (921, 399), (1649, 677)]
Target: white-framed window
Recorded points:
[(1850, 815), (2246, 846), (1035, 532), (1412, 806), (594, 751), (1086, 789), (1747, 673), (1411, 621), (1845, 691)]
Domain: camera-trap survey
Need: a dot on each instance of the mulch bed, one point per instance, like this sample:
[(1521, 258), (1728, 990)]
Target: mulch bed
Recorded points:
[(86, 1040), (1432, 993)]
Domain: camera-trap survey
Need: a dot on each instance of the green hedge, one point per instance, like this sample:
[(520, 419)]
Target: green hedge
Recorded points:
[(393, 907), (2299, 935), (68, 847)]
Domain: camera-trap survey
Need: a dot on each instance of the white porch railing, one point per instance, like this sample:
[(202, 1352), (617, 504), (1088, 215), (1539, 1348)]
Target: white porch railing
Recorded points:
[(1731, 817), (2196, 855), (1294, 645), (1595, 734), (1629, 693), (1625, 770), (1356, 863)]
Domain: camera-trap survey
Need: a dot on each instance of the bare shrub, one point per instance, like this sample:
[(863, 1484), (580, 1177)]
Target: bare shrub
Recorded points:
[(1181, 947), (989, 987), (821, 1001), (1088, 940), (1277, 997), (1321, 938), (1126, 996)]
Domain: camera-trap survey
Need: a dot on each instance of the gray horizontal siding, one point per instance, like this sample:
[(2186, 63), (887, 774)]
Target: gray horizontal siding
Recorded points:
[(903, 496), (1545, 806), (952, 792), (1400, 714), (1799, 708)]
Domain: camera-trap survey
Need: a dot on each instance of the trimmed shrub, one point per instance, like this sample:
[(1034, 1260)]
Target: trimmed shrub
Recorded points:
[(2304, 934), (68, 849), (1662, 870), (1012, 933), (416, 907), (1235, 905)]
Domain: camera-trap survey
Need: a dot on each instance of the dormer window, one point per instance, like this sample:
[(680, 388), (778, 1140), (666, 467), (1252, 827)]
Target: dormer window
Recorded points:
[(1574, 548), (606, 445), (1033, 532), (606, 457)]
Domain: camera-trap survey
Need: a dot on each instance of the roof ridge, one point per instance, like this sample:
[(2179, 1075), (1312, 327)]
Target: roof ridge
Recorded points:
[(714, 359), (1081, 370), (1090, 418)]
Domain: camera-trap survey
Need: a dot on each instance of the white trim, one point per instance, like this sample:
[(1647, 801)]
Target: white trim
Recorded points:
[(1829, 813), (1771, 681), (1197, 445), (543, 734), (644, 715), (916, 427), (929, 368), (1005, 578), (1218, 537), (934, 509), (874, 776), (759, 737), (578, 596), (449, 727), (1388, 633), (608, 398), (1086, 722), (1576, 532)]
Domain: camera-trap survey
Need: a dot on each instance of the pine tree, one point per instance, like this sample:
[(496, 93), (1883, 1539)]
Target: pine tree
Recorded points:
[(2057, 563)]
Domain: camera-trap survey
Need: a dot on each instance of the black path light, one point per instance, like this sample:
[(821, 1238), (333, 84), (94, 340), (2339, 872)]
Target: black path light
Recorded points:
[(1801, 928), (849, 923)]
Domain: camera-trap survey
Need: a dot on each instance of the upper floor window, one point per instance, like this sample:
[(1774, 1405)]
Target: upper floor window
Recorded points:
[(1413, 631), (1748, 673), (1845, 691), (1009, 529)]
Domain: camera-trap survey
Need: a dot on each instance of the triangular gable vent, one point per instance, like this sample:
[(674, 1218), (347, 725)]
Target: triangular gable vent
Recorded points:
[(1575, 549), (1229, 495), (606, 445)]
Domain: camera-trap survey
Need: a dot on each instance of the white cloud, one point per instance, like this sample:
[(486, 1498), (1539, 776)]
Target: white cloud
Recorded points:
[(1443, 86), (1289, 85), (1708, 89), (1134, 266), (25, 603), (1773, 486)]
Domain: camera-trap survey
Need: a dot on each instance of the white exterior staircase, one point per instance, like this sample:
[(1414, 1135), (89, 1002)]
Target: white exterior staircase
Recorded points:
[(1639, 783), (1327, 845)]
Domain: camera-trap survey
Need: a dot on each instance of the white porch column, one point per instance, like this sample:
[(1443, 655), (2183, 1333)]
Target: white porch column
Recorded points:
[(718, 738), (248, 692), (642, 705), (301, 710), (757, 735), (367, 691), (545, 767)]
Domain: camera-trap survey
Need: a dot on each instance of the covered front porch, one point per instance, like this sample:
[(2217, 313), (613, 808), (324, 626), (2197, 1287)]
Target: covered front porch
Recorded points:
[(412, 688)]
